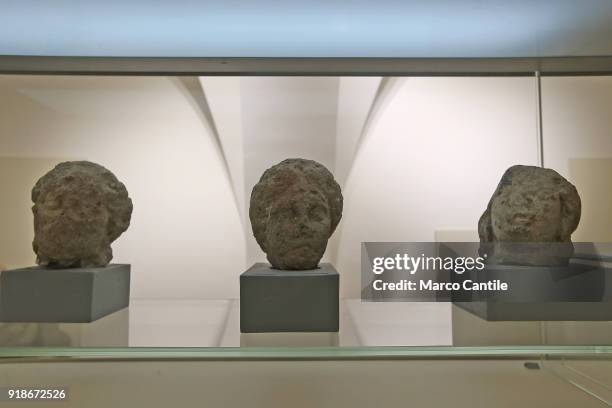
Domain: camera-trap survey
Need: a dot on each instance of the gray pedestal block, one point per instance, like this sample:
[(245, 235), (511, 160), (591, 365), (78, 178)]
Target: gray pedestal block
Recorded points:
[(273, 300), (75, 295), (577, 292)]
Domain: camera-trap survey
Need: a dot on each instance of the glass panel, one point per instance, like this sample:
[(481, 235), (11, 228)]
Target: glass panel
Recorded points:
[(210, 329), (417, 160)]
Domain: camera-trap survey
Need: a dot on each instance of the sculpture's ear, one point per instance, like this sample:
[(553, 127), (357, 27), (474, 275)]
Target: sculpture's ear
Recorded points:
[(485, 229), (570, 213)]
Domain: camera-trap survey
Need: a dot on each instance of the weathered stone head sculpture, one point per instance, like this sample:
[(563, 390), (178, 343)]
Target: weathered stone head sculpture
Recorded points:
[(79, 209), (530, 218), (294, 209)]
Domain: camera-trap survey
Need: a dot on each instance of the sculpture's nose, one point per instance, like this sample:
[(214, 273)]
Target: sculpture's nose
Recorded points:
[(302, 225), (301, 221)]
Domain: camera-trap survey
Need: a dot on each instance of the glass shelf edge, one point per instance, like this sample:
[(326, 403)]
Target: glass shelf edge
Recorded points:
[(292, 353)]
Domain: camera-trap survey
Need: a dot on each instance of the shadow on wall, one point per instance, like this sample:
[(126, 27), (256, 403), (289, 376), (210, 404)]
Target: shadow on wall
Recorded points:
[(429, 163), (186, 239)]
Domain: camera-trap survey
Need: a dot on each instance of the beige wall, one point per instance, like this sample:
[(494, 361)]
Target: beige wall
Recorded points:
[(593, 179), (285, 117), (431, 160), (186, 238), (427, 160), (577, 125), (17, 177)]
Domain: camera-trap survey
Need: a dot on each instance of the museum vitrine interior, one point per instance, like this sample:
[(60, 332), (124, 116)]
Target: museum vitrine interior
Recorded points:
[(405, 159), (189, 182)]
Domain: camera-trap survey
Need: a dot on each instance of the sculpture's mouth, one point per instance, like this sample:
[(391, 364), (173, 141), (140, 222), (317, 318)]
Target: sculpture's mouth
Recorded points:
[(300, 257), (300, 250), (304, 252)]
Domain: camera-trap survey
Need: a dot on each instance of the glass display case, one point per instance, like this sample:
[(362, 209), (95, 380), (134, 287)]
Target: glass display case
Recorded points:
[(417, 158), (417, 139)]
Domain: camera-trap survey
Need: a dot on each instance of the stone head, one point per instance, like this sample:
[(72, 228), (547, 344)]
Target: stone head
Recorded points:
[(531, 205), (79, 209), (295, 208)]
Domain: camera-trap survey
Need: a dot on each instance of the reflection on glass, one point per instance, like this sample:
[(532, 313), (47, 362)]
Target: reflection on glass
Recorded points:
[(110, 331)]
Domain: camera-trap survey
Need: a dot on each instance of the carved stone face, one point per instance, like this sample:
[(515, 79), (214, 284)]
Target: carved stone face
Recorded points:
[(295, 208), (297, 231), (533, 216), (531, 205), (79, 209)]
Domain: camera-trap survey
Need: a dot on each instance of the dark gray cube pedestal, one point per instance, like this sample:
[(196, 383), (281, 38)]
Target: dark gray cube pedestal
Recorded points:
[(577, 292), (74, 295), (272, 300)]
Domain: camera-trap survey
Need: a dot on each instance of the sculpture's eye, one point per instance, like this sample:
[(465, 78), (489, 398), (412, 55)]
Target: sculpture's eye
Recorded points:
[(53, 202), (283, 212), (317, 213)]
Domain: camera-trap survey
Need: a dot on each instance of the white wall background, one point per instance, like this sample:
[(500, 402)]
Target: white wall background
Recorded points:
[(418, 158), (223, 96), (282, 118), (356, 101), (577, 121), (186, 239), (432, 159)]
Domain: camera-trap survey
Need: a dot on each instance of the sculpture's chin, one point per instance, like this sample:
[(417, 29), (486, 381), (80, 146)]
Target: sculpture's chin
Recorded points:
[(301, 257)]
